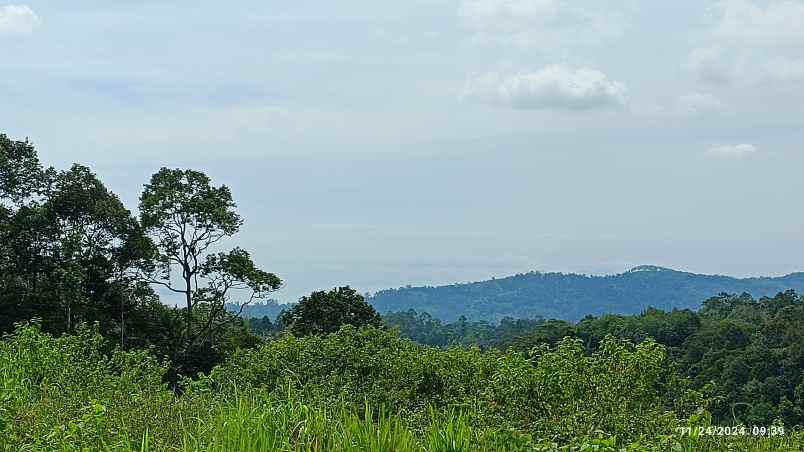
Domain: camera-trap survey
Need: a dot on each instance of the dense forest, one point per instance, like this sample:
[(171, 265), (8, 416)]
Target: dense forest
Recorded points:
[(572, 297), (91, 358), (746, 355)]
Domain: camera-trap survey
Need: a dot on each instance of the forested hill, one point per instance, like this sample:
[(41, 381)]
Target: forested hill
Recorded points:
[(268, 308), (572, 296)]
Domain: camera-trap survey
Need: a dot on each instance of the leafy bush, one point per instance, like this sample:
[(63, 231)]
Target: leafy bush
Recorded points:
[(561, 392), (56, 387), (355, 390)]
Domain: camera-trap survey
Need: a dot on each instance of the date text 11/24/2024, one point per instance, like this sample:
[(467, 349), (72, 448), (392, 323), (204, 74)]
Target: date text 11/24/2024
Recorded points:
[(738, 430)]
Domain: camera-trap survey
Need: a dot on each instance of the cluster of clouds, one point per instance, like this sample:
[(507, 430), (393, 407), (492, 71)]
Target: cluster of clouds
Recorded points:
[(542, 25), (552, 87), (749, 43), (743, 41), (17, 20)]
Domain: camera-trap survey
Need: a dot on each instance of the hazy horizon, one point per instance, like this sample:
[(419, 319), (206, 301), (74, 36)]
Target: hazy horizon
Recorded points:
[(378, 144)]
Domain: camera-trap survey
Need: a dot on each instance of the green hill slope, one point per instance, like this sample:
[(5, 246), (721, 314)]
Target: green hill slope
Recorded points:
[(573, 296)]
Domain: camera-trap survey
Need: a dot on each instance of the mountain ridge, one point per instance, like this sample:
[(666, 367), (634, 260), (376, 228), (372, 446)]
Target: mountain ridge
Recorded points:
[(572, 296)]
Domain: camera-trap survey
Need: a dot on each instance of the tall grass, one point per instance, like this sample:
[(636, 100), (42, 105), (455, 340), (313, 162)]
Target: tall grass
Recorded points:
[(65, 394), (253, 424)]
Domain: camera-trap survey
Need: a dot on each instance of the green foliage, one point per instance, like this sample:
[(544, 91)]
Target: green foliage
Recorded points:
[(261, 327), (425, 329), (325, 312), (75, 393), (750, 352), (71, 253), (68, 251), (186, 215), (744, 356), (176, 196), (564, 392), (21, 174), (66, 389)]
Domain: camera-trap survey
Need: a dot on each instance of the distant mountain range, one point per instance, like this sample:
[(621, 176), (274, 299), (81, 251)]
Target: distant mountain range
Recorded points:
[(267, 308), (572, 296)]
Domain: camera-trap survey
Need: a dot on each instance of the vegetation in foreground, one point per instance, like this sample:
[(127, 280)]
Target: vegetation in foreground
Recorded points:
[(363, 389), (746, 355)]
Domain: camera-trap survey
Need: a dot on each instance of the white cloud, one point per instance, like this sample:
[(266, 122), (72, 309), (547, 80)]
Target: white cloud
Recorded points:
[(17, 20), (552, 87), (699, 103), (752, 42), (733, 150), (538, 23)]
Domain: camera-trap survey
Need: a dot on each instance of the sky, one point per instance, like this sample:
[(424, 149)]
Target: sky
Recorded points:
[(380, 144)]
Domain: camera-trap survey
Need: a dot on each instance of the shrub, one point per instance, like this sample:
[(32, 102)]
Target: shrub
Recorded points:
[(563, 392)]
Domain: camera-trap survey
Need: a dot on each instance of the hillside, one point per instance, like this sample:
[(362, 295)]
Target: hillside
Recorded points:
[(268, 308), (573, 296)]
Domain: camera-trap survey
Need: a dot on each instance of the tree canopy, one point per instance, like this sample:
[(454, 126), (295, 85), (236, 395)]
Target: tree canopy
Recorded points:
[(72, 253), (325, 312), (187, 216)]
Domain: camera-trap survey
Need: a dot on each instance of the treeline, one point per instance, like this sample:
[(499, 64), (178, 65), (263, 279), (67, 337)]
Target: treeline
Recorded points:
[(424, 329), (71, 253), (745, 355)]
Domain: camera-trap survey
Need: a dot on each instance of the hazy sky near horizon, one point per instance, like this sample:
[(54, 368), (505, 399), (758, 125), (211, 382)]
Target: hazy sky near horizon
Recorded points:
[(379, 144)]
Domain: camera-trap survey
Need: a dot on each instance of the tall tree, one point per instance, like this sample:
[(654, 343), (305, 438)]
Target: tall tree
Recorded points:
[(95, 242), (187, 216), (22, 176), (325, 312), (68, 247)]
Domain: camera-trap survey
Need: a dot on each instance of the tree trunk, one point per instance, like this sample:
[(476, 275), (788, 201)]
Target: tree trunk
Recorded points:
[(189, 295), (69, 313), (122, 321)]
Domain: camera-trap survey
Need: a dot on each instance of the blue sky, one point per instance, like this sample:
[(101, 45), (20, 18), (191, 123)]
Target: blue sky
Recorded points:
[(380, 144)]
